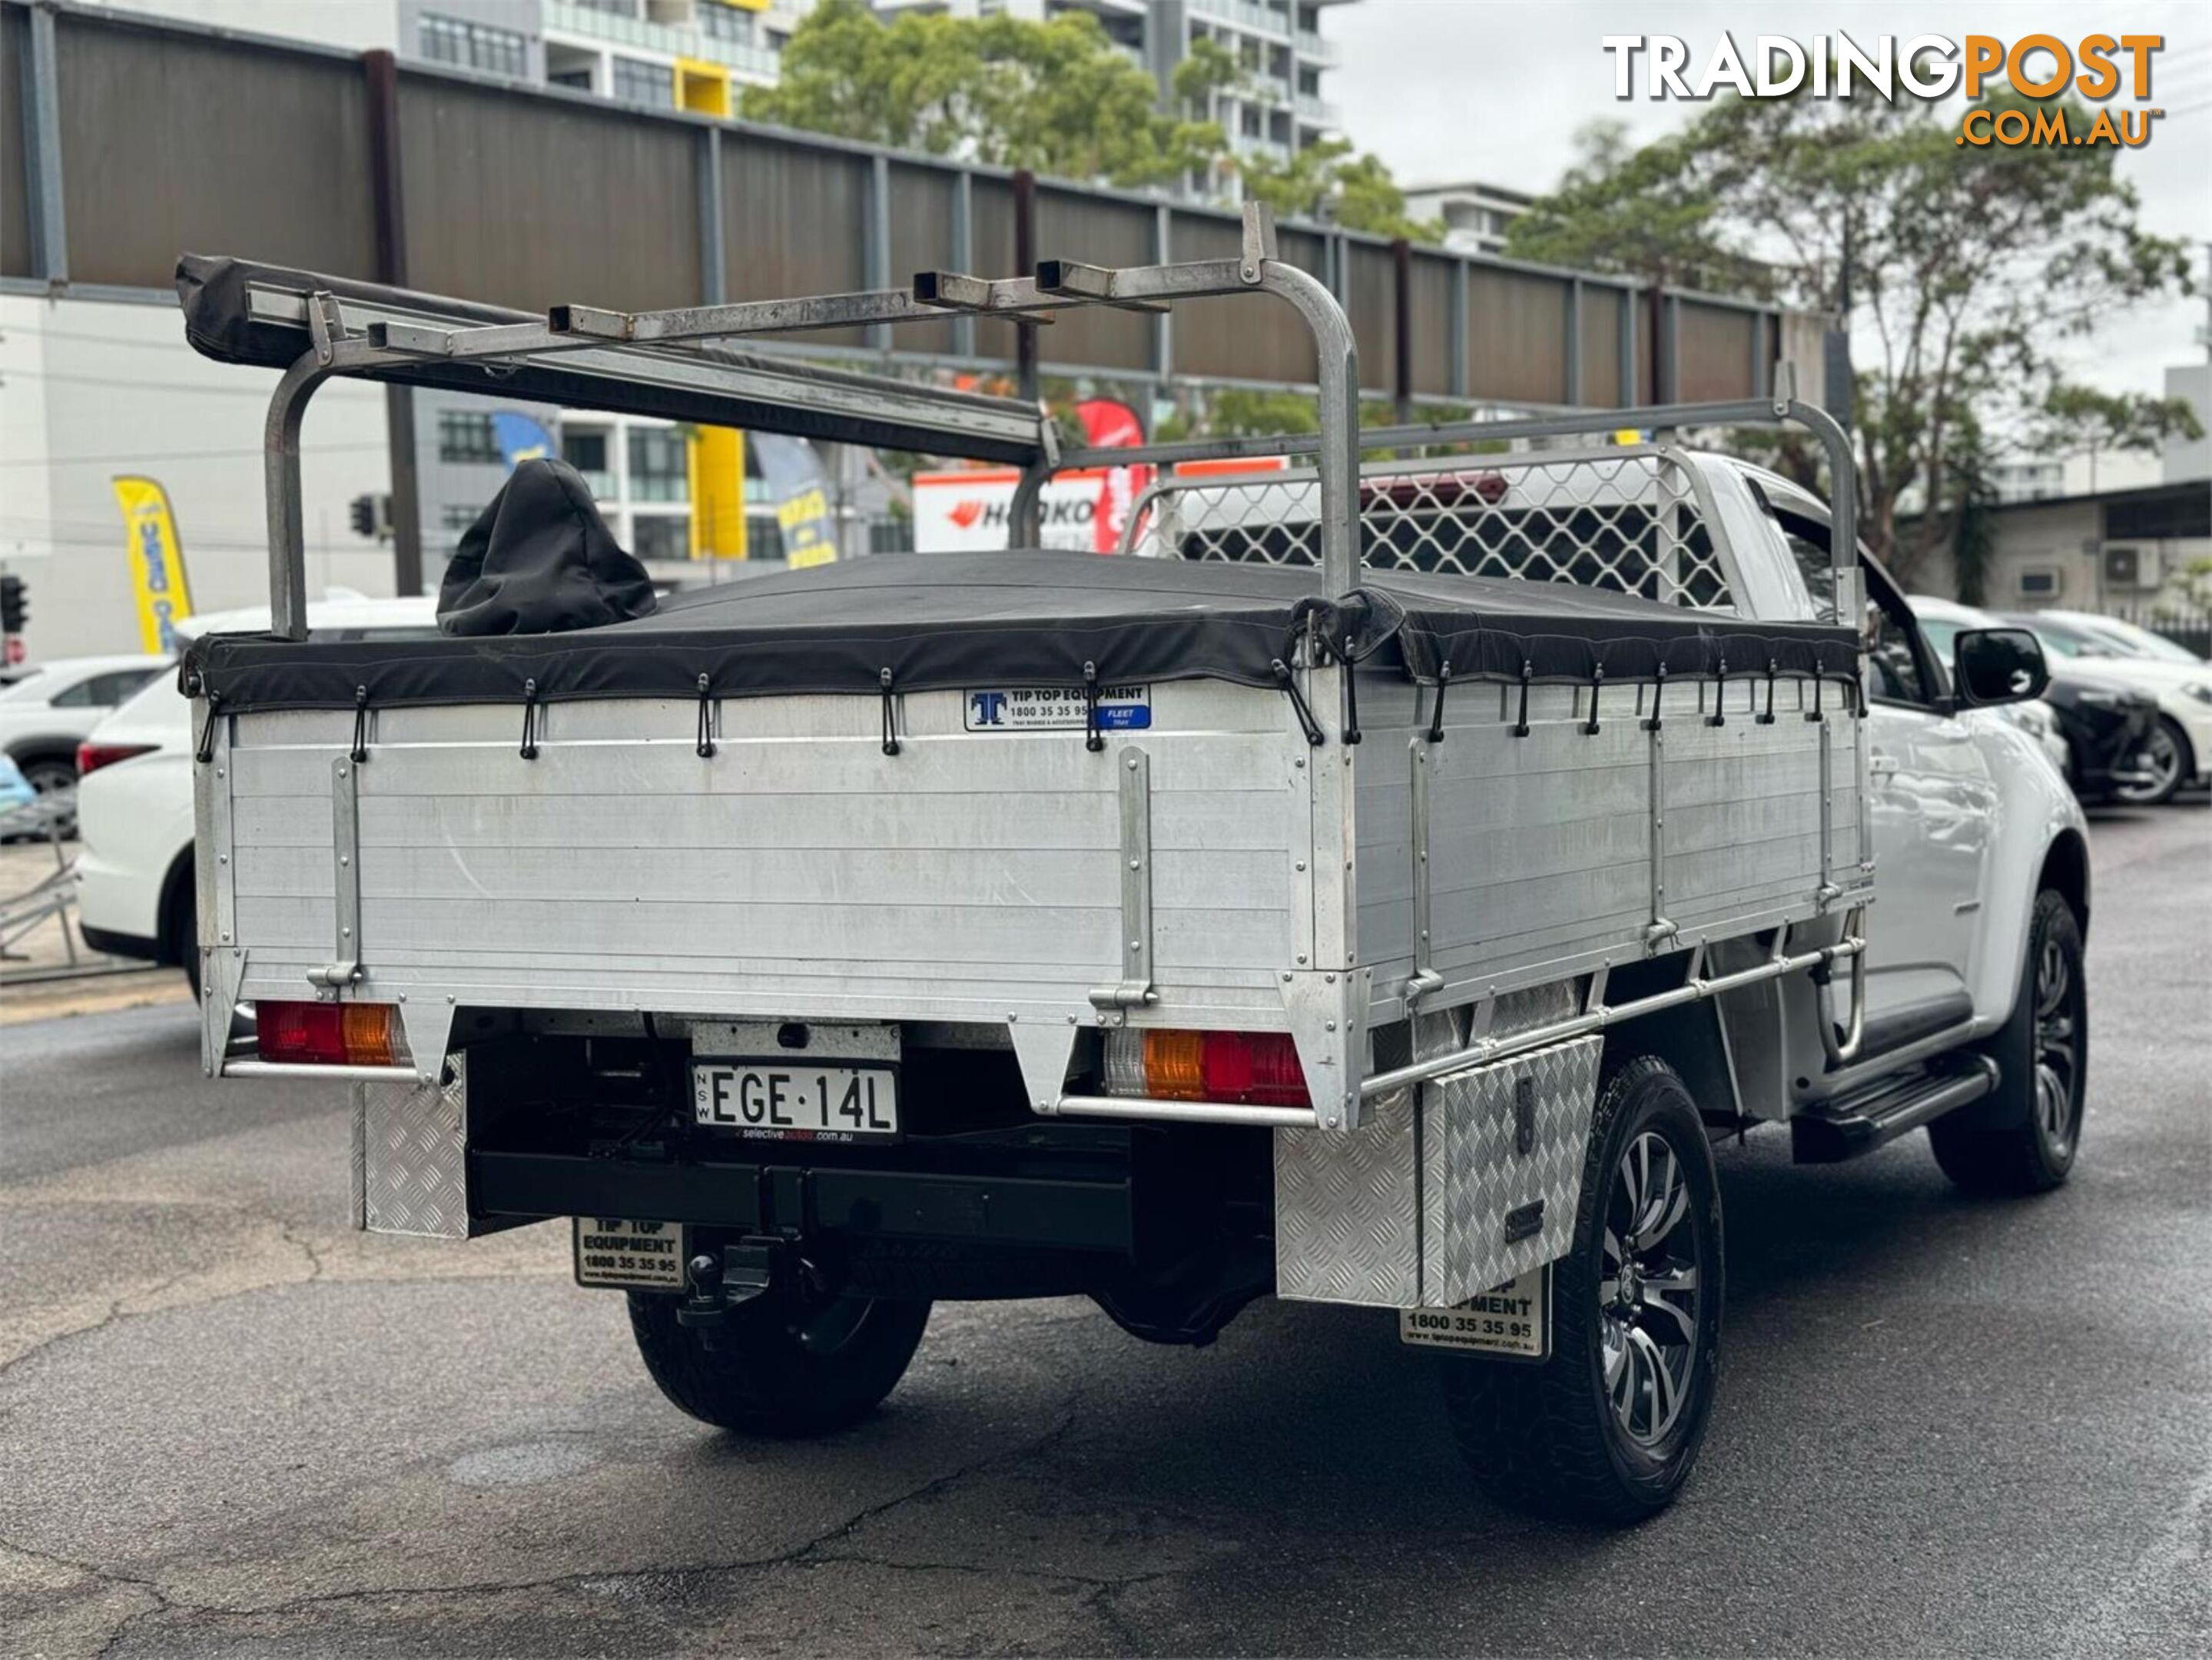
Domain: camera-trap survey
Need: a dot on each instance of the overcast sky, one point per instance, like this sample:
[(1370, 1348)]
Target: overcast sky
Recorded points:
[(1495, 89)]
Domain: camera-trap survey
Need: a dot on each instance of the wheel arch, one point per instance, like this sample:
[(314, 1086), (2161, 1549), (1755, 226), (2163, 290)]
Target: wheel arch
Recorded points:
[(177, 887), (2066, 869), (44, 746), (1689, 1038)]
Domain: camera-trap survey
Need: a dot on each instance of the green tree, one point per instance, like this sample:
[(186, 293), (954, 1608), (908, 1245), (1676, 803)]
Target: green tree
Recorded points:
[(2076, 420), (1971, 270), (1326, 180), (1056, 97)]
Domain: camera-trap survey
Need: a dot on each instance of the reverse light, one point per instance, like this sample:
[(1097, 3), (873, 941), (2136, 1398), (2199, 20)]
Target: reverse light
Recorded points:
[(328, 1034), (1247, 1068), (91, 758)]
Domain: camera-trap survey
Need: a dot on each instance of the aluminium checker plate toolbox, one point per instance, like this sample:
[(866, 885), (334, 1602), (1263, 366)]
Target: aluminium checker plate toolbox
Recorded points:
[(1433, 1201)]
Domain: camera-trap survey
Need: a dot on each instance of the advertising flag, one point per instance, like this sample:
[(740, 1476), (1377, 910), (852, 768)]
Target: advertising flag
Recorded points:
[(1108, 424), (157, 562), (799, 488)]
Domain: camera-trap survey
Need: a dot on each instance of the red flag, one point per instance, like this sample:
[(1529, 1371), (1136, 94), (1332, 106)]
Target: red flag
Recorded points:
[(1108, 424)]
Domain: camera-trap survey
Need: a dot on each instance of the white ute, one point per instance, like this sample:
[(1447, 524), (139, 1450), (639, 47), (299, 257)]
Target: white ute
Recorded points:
[(1381, 888)]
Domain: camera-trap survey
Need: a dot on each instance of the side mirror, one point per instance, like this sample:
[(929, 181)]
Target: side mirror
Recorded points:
[(1998, 665)]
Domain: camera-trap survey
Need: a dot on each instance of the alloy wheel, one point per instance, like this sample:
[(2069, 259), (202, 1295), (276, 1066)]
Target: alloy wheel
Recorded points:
[(2160, 758), (1648, 1292), (2057, 1051)]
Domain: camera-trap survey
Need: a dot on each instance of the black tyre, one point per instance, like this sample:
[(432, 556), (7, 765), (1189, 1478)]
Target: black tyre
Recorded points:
[(2166, 765), (180, 930), (1607, 1429), (2023, 1137), (777, 1369)]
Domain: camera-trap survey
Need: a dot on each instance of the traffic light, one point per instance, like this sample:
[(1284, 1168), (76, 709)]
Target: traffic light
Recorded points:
[(15, 605), (361, 515)]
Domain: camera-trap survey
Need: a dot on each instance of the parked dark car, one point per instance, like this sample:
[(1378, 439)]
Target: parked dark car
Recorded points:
[(2107, 727)]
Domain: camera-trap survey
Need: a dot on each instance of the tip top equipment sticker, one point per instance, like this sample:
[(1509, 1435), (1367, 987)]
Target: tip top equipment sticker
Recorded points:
[(1044, 709)]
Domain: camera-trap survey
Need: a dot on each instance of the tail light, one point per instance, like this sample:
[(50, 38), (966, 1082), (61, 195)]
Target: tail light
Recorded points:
[(1247, 1069), (91, 758), (329, 1034)]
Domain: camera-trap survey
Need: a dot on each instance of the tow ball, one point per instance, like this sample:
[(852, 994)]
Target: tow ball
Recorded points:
[(744, 1273)]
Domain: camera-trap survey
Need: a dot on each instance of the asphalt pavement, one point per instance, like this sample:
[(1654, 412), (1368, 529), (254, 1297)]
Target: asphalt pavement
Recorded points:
[(230, 1425)]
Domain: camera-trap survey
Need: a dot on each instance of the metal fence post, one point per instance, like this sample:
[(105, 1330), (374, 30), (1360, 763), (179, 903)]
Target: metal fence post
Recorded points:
[(388, 206), (876, 254), (1163, 325), (1461, 377), (962, 254), (1627, 376), (713, 265), (42, 138), (1574, 343), (1402, 328), (1025, 340)]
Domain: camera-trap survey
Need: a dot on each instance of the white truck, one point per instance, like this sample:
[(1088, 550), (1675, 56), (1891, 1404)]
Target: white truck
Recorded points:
[(1379, 890)]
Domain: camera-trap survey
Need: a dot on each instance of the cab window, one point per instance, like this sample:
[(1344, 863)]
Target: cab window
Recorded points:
[(1898, 668)]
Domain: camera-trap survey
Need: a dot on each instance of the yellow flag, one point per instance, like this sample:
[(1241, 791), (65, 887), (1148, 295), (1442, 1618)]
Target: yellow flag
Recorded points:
[(157, 562)]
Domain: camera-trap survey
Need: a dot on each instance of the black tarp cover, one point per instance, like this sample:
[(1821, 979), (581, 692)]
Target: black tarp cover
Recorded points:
[(960, 620), (539, 559)]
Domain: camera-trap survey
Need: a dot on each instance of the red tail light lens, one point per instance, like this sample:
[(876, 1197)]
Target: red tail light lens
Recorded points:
[(1247, 1068), (1261, 1067), (91, 758), (328, 1034)]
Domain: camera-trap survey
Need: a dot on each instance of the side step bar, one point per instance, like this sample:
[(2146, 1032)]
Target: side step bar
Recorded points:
[(1868, 1118)]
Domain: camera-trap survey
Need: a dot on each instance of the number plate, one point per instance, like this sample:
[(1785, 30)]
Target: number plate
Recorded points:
[(1513, 1321), (780, 1101), (613, 1252)]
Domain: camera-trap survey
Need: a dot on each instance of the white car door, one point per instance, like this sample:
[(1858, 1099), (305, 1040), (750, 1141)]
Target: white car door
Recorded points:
[(1933, 804)]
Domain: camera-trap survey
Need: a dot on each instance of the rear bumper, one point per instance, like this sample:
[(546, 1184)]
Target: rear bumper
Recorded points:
[(1066, 1213), (113, 944)]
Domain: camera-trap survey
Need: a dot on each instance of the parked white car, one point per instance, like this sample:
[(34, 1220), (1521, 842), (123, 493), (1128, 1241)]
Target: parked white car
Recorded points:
[(47, 712), (1940, 620), (2179, 751), (135, 794), (2132, 638)]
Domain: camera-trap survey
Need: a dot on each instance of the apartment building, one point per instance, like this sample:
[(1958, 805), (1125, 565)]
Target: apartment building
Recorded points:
[(1276, 109), (1476, 216)]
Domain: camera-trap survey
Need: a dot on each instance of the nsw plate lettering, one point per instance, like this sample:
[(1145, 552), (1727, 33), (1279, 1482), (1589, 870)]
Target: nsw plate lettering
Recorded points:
[(772, 1100)]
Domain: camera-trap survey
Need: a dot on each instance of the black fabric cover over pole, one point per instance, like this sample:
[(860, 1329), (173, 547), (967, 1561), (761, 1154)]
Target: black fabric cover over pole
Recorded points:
[(952, 621)]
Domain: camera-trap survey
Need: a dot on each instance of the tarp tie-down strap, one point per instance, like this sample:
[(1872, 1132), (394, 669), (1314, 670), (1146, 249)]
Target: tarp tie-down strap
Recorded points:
[(1436, 714), (204, 751), (1527, 673), (706, 719), (1719, 716), (359, 753), (890, 715), (1597, 685), (1658, 695), (529, 750), (1289, 682), (1093, 739), (1767, 718), (1816, 713)]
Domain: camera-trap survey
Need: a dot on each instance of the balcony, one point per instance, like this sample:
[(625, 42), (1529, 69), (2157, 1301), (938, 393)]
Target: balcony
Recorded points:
[(668, 40), (1319, 111), (1318, 49), (1245, 15)]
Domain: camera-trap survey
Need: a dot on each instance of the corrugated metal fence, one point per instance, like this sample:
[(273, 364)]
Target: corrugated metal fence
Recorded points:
[(132, 141)]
